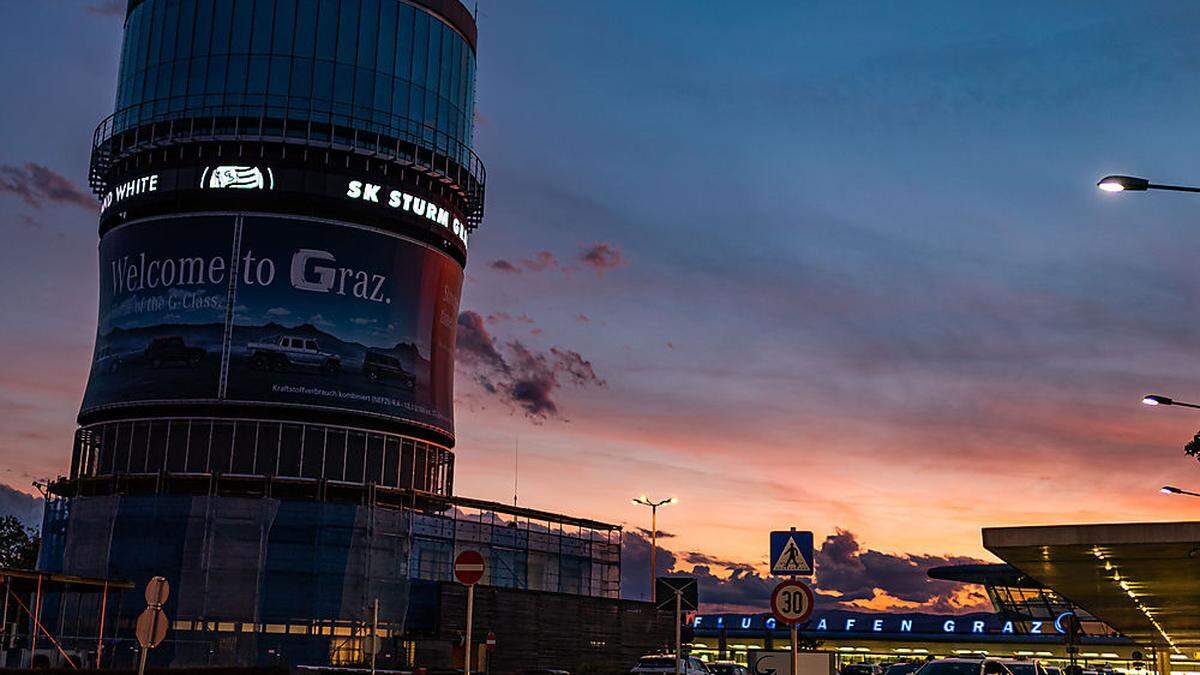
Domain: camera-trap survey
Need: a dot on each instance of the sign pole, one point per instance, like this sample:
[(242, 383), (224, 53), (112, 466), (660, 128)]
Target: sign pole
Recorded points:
[(374, 634), (795, 651), (470, 612), (678, 620)]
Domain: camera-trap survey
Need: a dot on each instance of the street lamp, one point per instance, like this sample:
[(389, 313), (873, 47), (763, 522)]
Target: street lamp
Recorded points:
[(1135, 184), (1172, 490), (646, 501), (1155, 399)]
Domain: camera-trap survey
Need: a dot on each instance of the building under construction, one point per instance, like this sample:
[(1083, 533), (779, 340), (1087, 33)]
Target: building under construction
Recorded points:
[(287, 190)]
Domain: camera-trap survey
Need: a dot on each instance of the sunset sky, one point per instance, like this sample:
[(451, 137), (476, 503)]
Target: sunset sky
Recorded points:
[(837, 266)]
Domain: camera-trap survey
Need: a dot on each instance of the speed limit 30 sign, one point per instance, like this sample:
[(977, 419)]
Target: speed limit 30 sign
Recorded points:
[(792, 602)]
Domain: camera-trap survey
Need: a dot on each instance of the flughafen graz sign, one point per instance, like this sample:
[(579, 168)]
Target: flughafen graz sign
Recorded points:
[(252, 183), (857, 623)]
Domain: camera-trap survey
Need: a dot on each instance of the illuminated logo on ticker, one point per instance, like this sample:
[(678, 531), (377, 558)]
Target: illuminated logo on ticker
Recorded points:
[(237, 178)]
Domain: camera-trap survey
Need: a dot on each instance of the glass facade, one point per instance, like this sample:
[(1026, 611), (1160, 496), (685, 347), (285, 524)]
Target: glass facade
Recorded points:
[(208, 446), (383, 65)]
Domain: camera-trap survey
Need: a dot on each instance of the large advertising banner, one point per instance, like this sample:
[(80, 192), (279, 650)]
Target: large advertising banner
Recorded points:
[(342, 317), (162, 312), (299, 313)]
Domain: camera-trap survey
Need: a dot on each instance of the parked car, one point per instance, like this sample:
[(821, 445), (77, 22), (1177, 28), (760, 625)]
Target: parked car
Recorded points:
[(665, 663), (378, 366), (284, 352), (862, 669), (1022, 667), (964, 666), (167, 349), (728, 668), (902, 669), (108, 360)]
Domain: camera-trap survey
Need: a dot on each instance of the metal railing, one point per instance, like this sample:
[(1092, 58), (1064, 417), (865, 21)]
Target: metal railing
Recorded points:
[(316, 123)]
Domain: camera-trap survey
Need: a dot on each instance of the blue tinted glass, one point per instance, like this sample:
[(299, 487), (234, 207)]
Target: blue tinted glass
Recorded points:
[(216, 74), (323, 81), (222, 19), (260, 31), (347, 45), (280, 74), (256, 78), (343, 84), (169, 29), (235, 79), (285, 26), (433, 58), (400, 98), (197, 75), (239, 40), (387, 37), (404, 38), (187, 20), (383, 94), (368, 33), (327, 29), (155, 34), (302, 80), (364, 89), (420, 45), (203, 32), (306, 27)]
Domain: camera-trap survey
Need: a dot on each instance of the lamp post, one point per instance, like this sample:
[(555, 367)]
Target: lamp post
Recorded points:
[(646, 501), (1135, 184), (1172, 490)]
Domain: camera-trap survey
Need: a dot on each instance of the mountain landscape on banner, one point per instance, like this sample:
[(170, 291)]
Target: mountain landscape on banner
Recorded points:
[(408, 353), (133, 339)]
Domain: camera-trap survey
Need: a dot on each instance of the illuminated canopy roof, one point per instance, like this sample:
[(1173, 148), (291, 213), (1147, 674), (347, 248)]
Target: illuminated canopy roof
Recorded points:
[(1143, 579)]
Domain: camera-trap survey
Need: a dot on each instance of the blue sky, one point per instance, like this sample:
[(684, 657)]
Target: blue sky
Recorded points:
[(853, 271)]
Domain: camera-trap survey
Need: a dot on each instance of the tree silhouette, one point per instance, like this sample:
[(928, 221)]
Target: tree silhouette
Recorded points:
[(18, 544), (1192, 449)]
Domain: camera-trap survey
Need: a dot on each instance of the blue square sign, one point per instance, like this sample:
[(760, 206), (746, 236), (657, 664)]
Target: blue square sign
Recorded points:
[(791, 552)]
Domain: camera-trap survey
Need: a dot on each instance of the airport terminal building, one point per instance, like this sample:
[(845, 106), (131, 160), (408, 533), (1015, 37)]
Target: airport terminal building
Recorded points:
[(287, 193)]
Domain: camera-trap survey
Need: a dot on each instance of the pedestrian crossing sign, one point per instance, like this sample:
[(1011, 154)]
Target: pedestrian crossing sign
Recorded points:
[(791, 552)]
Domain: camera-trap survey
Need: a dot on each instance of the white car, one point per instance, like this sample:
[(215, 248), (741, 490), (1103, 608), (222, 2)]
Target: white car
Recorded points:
[(283, 352), (665, 663)]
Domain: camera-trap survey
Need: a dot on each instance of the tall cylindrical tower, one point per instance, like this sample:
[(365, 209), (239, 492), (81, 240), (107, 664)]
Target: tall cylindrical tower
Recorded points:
[(287, 190)]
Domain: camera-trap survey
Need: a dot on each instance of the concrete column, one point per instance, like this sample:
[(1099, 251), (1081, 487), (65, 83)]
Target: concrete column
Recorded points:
[(1162, 660)]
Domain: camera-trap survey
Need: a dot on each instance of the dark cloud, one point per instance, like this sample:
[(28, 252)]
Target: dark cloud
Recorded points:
[(107, 8), (37, 185), (635, 563), (846, 573), (845, 568), (505, 266), (602, 257), (520, 375)]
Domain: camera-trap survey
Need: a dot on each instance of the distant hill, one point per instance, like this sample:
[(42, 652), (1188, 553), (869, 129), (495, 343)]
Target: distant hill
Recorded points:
[(27, 509)]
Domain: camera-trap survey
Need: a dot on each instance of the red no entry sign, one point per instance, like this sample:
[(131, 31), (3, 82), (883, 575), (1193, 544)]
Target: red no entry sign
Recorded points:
[(468, 567), (792, 602)]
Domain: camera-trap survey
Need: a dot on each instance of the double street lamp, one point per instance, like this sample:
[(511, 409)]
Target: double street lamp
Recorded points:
[(1135, 184), (646, 501), (1156, 399)]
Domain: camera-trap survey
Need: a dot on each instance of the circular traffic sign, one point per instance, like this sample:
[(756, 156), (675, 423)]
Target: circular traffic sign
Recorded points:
[(151, 627), (468, 567), (792, 602), (157, 591)]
